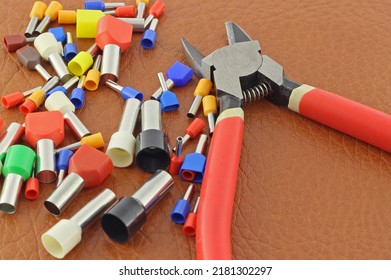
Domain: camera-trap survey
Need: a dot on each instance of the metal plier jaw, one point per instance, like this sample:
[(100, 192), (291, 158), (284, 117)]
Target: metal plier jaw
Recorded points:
[(240, 73)]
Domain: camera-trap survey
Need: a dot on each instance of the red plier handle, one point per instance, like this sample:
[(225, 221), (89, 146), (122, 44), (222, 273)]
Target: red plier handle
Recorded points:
[(347, 116), (213, 233)]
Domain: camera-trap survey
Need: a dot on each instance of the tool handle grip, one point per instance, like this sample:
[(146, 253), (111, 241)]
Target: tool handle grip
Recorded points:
[(213, 233), (347, 116)]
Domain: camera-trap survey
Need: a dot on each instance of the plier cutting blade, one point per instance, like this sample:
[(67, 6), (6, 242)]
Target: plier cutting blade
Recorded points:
[(242, 74)]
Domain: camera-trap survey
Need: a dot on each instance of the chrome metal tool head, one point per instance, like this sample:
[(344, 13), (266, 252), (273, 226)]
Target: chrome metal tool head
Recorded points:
[(240, 72)]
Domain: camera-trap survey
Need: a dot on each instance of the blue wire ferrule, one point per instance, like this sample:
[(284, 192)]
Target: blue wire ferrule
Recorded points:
[(148, 40), (94, 5), (70, 48), (180, 74), (177, 75), (70, 51), (101, 6), (78, 94), (193, 166), (168, 99), (62, 164), (78, 97), (63, 159), (126, 92), (182, 207), (58, 33), (149, 36), (57, 88)]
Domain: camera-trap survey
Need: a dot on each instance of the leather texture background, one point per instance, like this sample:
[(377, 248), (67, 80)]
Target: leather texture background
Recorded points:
[(304, 191)]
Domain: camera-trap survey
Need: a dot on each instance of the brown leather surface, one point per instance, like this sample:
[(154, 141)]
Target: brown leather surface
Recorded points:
[(304, 191)]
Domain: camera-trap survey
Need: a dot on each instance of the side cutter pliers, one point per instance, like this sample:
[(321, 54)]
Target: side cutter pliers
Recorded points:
[(242, 74)]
